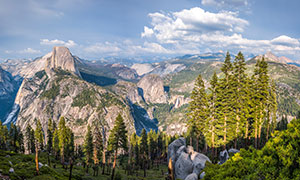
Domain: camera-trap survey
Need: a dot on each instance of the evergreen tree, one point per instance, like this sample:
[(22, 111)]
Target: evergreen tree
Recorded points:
[(144, 148), (224, 105), (240, 95), (98, 145), (55, 143), (211, 121), (88, 147), (117, 139), (271, 109), (50, 132), (63, 139), (198, 109), (39, 141)]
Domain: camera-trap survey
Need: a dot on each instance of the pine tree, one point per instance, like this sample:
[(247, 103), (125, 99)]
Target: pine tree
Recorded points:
[(261, 79), (50, 131), (2, 136), (55, 143), (211, 121), (117, 139), (224, 105), (271, 109), (144, 148), (97, 148), (63, 139), (88, 147), (240, 95), (198, 109), (39, 141)]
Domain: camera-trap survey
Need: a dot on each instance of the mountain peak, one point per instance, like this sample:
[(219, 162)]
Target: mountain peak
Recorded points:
[(61, 57)]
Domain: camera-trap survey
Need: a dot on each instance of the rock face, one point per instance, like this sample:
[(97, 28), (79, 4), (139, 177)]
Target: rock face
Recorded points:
[(187, 163), (61, 92), (152, 89), (61, 58), (224, 156), (8, 90)]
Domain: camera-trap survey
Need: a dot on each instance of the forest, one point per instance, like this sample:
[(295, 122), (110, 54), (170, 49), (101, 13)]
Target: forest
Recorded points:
[(233, 110)]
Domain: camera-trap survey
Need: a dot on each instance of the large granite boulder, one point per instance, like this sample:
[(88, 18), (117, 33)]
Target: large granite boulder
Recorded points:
[(199, 161), (173, 147), (183, 166), (192, 176), (224, 156), (232, 150), (179, 151)]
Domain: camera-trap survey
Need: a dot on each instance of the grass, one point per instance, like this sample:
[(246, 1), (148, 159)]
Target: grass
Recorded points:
[(24, 167)]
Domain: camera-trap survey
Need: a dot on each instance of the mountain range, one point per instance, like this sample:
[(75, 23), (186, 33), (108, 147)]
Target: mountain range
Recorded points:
[(148, 95)]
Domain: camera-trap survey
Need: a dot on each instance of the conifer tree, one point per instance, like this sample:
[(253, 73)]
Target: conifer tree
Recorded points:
[(271, 109), (117, 139), (88, 147), (224, 104), (39, 140), (198, 109), (55, 143), (97, 147), (49, 138), (144, 148), (2, 136), (212, 119), (63, 139), (240, 96)]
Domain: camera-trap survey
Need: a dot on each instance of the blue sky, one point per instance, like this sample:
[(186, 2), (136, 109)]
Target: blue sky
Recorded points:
[(93, 29)]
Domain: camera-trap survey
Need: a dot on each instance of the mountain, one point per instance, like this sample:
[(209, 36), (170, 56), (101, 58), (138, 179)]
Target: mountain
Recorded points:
[(8, 90), (271, 57), (58, 90)]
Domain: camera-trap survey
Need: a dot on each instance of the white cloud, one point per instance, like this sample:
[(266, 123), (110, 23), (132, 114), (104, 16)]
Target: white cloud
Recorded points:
[(103, 48), (285, 41), (147, 32), (187, 23), (29, 51), (57, 42)]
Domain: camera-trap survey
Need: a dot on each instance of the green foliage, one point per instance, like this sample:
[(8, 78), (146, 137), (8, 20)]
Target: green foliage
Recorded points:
[(118, 135), (40, 74), (88, 145), (39, 135), (278, 159), (51, 93), (86, 97)]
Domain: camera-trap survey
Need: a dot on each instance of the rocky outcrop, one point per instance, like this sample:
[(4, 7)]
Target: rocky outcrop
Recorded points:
[(142, 69), (61, 92), (162, 69), (8, 89), (187, 163), (152, 89), (61, 58)]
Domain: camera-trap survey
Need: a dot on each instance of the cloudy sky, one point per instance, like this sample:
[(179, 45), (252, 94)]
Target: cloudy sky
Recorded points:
[(133, 28)]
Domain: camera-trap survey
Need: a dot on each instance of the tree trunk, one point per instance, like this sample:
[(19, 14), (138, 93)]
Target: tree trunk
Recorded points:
[(191, 141), (213, 141), (37, 159), (197, 143), (225, 132), (103, 160), (114, 165), (170, 170)]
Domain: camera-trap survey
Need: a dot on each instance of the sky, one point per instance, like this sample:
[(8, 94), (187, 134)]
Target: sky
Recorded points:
[(93, 29)]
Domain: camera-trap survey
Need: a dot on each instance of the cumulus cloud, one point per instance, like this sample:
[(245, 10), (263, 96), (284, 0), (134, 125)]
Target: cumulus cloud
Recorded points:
[(190, 22), (103, 48), (29, 51), (285, 41), (147, 32), (56, 42), (194, 30)]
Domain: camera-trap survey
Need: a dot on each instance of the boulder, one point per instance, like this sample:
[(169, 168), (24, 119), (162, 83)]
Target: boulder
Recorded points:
[(192, 176), (223, 156), (199, 161), (41, 164), (11, 170), (202, 175), (10, 163), (232, 150), (190, 150), (173, 147), (180, 150), (183, 166)]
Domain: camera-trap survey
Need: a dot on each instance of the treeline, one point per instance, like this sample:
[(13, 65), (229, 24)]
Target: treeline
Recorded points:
[(236, 109), (135, 152)]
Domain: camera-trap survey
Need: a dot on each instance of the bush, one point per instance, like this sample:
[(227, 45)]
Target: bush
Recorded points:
[(118, 176)]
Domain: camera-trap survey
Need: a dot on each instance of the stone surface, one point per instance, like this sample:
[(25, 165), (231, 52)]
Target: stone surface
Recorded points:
[(192, 176), (11, 170), (152, 89), (199, 161), (173, 147), (232, 150), (223, 156), (180, 150), (183, 166), (202, 175), (41, 164)]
